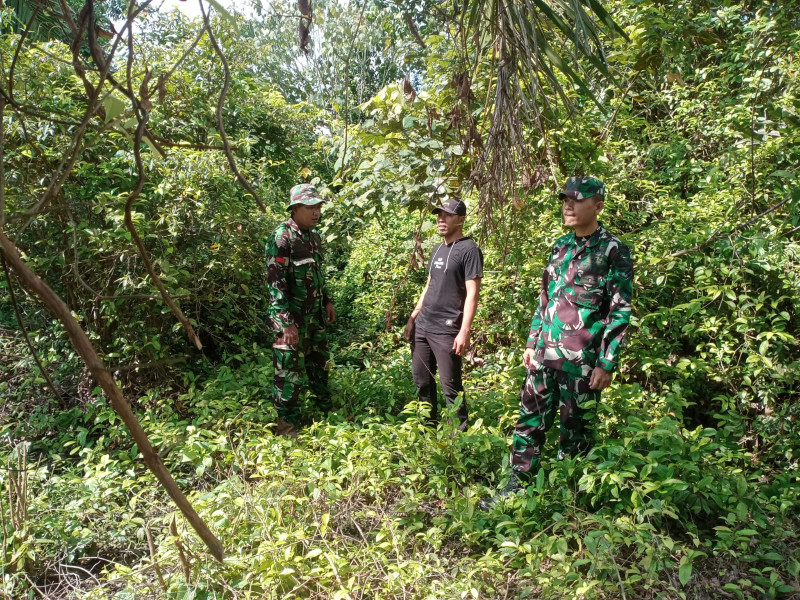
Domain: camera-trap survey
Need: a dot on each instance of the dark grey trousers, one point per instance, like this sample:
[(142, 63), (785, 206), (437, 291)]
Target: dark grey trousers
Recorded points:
[(430, 351)]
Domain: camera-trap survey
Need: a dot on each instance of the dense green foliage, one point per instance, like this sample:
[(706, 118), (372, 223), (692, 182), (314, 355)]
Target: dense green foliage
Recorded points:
[(692, 488)]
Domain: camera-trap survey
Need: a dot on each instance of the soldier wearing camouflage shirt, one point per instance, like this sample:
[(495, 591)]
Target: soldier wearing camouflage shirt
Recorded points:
[(576, 334), (300, 308)]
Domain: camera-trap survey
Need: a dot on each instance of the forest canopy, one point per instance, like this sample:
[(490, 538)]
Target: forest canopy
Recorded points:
[(145, 157)]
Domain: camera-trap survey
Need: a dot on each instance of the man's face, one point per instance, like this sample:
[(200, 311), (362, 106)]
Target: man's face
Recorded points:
[(448, 222), (582, 213), (306, 216)]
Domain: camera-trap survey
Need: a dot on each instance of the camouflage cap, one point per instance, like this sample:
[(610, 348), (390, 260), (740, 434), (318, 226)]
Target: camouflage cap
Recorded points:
[(305, 193), (579, 188)]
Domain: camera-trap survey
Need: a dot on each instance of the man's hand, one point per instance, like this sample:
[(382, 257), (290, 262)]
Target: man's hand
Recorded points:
[(330, 313), (408, 332), (290, 335), (461, 343), (600, 378), (527, 358)]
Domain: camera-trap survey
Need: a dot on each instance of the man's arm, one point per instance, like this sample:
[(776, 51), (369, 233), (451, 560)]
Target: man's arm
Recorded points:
[(619, 289), (461, 343), (536, 322), (409, 330), (278, 253)]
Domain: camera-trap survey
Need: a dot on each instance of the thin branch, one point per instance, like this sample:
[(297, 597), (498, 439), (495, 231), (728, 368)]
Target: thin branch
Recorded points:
[(151, 545), (167, 362), (738, 229), (24, 330), (220, 105), (347, 87), (86, 286), (185, 55), (67, 16), (16, 53), (137, 154), (2, 162), (189, 146), (97, 368), (71, 156), (28, 110)]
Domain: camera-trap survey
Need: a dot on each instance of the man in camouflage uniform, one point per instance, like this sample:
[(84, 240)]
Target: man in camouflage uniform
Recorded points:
[(300, 308), (576, 334)]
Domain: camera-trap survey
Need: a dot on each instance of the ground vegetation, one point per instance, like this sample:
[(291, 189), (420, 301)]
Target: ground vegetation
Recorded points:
[(140, 175)]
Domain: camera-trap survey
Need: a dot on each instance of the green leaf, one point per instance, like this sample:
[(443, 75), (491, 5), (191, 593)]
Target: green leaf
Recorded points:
[(684, 573), (222, 10), (114, 107)]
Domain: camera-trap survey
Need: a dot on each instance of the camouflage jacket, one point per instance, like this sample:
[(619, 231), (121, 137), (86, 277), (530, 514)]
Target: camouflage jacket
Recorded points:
[(294, 276), (585, 304)]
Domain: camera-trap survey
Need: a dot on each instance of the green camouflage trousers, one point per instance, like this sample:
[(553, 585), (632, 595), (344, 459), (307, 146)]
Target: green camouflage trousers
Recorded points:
[(307, 360), (546, 390)]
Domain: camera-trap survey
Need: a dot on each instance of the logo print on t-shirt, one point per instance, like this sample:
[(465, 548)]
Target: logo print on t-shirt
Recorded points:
[(439, 262)]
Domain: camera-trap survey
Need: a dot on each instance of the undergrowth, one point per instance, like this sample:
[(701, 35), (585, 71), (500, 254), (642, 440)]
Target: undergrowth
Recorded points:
[(371, 502)]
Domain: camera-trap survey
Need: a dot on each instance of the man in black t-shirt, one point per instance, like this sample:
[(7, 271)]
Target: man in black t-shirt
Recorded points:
[(439, 327)]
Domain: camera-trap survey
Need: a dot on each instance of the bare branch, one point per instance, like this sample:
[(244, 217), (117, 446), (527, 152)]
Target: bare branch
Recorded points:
[(738, 229), (220, 105), (76, 271), (2, 162), (151, 545), (94, 103), (97, 368), (24, 330), (347, 86), (185, 55), (412, 27), (16, 53), (165, 142), (137, 154)]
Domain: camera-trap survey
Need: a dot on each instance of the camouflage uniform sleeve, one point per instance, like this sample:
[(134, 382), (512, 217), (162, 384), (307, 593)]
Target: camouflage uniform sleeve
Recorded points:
[(536, 323), (279, 252), (619, 290)]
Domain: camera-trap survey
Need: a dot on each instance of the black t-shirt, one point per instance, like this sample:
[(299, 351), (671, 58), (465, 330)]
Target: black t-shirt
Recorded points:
[(450, 267)]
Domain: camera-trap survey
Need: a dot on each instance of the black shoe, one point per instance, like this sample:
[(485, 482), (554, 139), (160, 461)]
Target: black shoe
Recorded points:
[(512, 487)]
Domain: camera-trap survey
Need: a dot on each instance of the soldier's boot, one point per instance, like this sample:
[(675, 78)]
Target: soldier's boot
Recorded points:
[(513, 486), (285, 429)]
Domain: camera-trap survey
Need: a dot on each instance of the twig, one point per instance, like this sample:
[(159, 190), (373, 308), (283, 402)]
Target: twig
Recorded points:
[(142, 116), (2, 162), (616, 568), (17, 51), (152, 548), (187, 568), (82, 344), (35, 587), (347, 87), (185, 55), (81, 280), (167, 362), (739, 228), (23, 329), (220, 105)]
